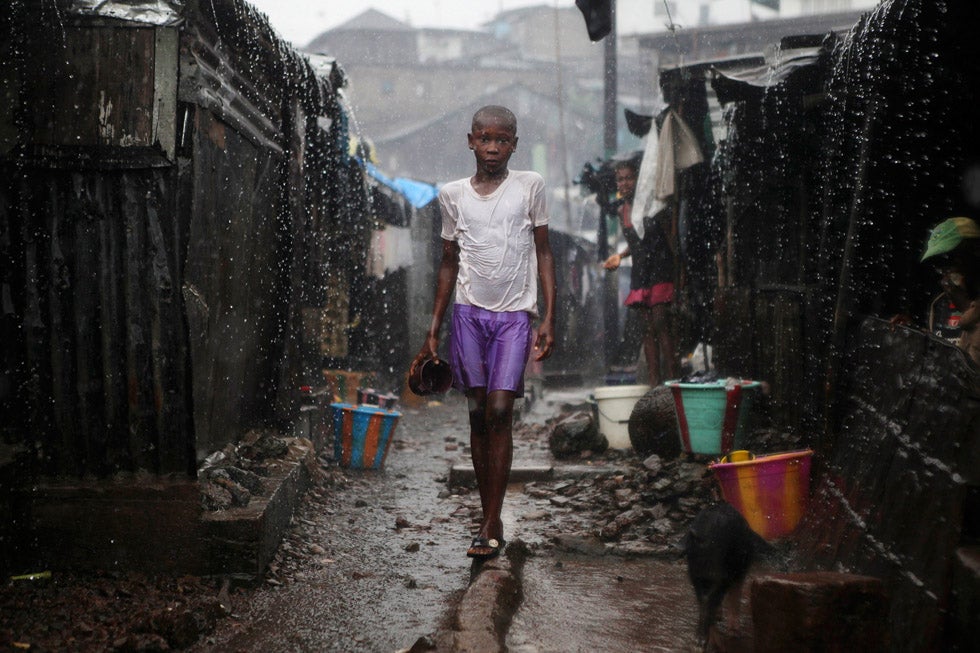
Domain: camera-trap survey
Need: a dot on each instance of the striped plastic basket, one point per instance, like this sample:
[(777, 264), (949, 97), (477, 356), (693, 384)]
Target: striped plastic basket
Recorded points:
[(771, 492), (362, 435)]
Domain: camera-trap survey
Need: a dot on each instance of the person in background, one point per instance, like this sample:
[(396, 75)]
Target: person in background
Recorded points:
[(495, 249), (651, 277), (954, 249)]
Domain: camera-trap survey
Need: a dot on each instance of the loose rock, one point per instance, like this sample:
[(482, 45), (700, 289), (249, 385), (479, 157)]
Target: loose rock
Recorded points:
[(575, 434), (652, 425)]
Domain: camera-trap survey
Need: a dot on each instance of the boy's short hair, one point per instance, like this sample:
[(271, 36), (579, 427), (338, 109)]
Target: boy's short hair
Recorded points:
[(632, 164), (503, 114)]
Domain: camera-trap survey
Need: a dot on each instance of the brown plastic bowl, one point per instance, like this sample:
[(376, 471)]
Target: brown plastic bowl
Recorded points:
[(431, 377)]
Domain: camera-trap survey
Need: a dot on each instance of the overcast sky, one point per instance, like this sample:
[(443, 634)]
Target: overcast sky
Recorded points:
[(298, 21)]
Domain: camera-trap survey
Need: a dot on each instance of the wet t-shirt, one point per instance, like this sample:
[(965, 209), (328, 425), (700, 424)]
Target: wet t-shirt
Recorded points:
[(497, 262)]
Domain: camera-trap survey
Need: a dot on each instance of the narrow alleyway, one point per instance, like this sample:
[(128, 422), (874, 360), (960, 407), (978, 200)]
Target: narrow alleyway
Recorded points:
[(375, 561)]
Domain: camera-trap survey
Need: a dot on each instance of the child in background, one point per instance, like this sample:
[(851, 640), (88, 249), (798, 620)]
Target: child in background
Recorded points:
[(651, 278), (954, 248)]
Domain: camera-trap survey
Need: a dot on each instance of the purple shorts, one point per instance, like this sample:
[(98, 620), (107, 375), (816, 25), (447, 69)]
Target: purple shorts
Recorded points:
[(490, 350)]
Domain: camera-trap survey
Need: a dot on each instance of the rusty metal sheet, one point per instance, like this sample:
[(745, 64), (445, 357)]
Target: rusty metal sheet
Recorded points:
[(81, 100), (233, 260), (106, 366), (146, 12), (896, 478), (160, 280)]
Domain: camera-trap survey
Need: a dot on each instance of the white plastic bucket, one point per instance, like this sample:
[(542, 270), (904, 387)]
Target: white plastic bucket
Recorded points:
[(615, 404)]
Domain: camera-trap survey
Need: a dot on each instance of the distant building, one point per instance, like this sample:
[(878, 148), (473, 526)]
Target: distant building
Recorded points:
[(540, 33), (407, 80), (373, 38), (544, 143)]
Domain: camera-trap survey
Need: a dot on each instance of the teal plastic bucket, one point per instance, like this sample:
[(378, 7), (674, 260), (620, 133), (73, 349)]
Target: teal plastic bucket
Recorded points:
[(711, 417)]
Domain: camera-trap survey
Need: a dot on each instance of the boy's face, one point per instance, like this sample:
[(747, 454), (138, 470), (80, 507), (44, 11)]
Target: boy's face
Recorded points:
[(493, 142), (625, 182), (953, 284)]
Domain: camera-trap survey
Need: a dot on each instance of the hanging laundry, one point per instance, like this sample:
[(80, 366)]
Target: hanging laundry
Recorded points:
[(390, 250), (674, 148), (678, 150), (645, 201)]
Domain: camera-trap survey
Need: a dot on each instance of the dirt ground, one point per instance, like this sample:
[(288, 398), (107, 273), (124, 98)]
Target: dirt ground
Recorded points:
[(637, 510), (107, 612)]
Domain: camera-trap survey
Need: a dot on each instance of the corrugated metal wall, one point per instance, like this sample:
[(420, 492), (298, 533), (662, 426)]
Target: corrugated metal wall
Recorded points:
[(235, 305), (174, 200), (892, 500), (104, 335), (831, 182), (101, 378)]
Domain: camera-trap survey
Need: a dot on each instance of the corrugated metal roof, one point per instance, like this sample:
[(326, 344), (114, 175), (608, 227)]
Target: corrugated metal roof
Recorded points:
[(148, 12), (734, 83)]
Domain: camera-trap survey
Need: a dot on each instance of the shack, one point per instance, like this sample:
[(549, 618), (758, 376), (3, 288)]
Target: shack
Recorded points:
[(837, 154), (181, 221)]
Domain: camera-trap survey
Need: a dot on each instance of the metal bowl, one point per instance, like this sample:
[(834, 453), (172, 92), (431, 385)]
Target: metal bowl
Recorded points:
[(431, 377)]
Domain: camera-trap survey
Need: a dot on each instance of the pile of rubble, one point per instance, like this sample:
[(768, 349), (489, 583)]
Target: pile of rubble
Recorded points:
[(641, 509), (644, 507), (230, 477)]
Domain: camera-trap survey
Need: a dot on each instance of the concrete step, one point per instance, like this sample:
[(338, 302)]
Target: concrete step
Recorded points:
[(242, 541)]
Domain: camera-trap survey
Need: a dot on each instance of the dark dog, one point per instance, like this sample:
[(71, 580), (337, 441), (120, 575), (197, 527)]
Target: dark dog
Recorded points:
[(719, 546)]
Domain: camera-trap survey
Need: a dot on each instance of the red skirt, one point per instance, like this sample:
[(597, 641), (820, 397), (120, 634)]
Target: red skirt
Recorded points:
[(661, 293)]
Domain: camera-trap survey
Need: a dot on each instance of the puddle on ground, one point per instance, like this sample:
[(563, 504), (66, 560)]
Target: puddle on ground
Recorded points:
[(603, 604)]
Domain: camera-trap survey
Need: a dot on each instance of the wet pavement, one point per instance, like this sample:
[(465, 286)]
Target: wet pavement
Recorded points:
[(578, 603), (581, 604), (374, 560)]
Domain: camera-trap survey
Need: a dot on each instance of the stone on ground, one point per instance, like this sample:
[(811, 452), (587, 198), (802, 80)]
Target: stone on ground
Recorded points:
[(653, 424)]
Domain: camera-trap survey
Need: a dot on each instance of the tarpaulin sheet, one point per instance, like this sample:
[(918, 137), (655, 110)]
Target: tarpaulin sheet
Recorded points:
[(418, 193), (743, 83)]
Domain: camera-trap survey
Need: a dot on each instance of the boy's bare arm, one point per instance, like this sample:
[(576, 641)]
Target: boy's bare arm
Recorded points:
[(445, 282), (544, 342)]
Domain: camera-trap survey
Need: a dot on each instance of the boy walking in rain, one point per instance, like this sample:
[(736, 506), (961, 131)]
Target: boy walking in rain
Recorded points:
[(494, 249)]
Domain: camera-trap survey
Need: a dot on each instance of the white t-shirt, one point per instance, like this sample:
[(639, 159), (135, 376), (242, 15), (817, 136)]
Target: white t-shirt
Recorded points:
[(498, 268)]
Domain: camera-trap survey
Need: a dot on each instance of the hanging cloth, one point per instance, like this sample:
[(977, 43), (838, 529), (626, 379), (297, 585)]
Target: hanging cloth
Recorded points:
[(678, 150), (390, 250), (675, 148)]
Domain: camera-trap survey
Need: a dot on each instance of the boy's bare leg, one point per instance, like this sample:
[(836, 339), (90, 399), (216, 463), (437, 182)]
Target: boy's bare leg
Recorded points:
[(651, 348), (661, 334), (492, 448), (477, 402)]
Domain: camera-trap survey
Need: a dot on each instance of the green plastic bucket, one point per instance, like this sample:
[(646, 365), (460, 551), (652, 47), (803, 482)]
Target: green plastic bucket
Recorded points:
[(711, 417)]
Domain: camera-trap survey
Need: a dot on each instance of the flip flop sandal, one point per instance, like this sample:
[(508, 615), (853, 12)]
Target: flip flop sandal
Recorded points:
[(484, 549)]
